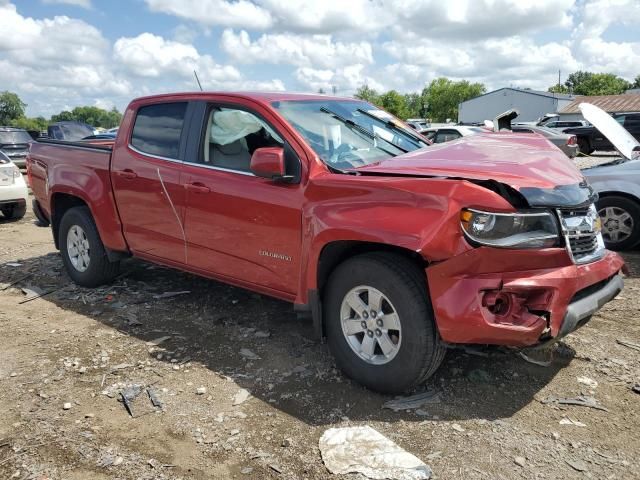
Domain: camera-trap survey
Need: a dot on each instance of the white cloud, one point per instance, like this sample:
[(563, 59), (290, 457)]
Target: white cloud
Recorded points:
[(346, 79), (77, 3), (237, 13), (319, 51)]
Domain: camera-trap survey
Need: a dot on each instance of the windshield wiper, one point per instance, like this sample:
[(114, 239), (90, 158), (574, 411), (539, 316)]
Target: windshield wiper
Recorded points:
[(417, 141), (359, 128)]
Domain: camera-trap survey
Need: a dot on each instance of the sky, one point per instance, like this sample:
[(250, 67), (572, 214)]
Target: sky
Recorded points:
[(58, 54)]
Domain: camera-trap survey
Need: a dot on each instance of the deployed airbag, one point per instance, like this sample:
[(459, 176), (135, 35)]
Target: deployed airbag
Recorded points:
[(231, 125)]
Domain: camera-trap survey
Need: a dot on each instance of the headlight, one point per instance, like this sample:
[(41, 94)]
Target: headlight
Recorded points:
[(510, 230)]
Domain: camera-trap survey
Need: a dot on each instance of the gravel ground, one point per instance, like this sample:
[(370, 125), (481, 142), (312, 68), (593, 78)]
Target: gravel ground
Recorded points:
[(246, 391)]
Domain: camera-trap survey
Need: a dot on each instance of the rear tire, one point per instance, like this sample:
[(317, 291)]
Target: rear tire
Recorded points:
[(584, 146), (390, 287), (620, 218), (14, 212), (83, 253)]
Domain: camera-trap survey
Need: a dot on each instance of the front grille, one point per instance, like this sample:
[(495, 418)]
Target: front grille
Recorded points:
[(581, 230)]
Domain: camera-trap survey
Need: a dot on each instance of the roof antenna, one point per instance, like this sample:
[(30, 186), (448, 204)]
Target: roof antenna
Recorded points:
[(197, 80)]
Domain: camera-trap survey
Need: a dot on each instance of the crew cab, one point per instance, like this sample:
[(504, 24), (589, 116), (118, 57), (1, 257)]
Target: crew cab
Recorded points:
[(395, 247)]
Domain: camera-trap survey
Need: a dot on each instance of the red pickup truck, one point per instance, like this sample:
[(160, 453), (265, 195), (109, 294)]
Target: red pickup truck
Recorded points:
[(396, 247)]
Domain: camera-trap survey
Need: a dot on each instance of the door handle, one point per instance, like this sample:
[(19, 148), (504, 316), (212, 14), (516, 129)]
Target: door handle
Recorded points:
[(127, 173), (197, 187)]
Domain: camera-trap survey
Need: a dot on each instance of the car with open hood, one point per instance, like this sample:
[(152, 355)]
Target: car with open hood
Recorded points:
[(617, 182), (395, 248)]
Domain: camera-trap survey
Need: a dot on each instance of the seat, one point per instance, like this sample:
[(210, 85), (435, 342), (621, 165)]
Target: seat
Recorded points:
[(234, 155)]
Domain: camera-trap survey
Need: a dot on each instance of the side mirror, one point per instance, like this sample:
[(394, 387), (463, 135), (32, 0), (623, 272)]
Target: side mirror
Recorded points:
[(268, 162)]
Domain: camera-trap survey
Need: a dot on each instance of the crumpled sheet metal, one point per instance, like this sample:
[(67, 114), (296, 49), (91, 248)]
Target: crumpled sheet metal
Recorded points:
[(366, 451)]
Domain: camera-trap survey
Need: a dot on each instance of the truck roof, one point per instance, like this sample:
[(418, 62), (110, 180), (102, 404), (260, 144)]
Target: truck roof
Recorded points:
[(265, 97)]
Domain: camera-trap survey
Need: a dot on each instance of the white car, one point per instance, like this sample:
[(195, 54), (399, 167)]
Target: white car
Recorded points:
[(13, 190), (451, 132)]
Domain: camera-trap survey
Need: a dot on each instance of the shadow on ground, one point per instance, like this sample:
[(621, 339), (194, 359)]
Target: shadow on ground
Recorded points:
[(295, 373)]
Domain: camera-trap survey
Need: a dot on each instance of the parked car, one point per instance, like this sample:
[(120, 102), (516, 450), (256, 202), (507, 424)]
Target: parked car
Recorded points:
[(69, 131), (418, 124), (565, 124), (617, 183), (13, 189), (565, 142), (396, 248), (15, 143), (591, 139), (451, 132)]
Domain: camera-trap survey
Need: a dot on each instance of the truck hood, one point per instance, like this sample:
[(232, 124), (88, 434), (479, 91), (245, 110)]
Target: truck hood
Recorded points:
[(518, 160), (529, 164), (619, 136)]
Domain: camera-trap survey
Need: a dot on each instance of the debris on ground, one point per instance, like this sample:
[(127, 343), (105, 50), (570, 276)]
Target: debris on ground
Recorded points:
[(543, 357), (171, 294), (153, 397), (626, 343), (520, 461), (577, 465), (581, 401), (248, 354), (366, 451), (241, 396), (412, 402), (569, 421), (589, 382)]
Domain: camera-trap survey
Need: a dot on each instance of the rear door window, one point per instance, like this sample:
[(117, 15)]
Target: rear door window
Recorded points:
[(158, 129), (446, 136)]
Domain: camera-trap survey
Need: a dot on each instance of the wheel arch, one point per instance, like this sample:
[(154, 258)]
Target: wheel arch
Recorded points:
[(336, 252), (60, 204)]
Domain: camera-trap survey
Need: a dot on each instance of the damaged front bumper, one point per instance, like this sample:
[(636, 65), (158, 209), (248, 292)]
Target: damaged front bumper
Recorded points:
[(501, 297)]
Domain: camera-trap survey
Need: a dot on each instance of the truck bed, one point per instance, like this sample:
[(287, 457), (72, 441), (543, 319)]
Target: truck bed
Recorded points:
[(48, 166)]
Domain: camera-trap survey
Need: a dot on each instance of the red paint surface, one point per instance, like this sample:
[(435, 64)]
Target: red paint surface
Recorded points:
[(238, 228)]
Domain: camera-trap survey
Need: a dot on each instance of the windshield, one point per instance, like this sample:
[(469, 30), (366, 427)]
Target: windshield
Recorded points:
[(349, 133), (16, 136)]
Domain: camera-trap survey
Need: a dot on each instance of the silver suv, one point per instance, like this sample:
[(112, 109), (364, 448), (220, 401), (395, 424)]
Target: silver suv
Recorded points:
[(15, 143)]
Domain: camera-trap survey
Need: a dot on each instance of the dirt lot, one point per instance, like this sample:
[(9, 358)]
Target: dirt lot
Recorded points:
[(65, 357)]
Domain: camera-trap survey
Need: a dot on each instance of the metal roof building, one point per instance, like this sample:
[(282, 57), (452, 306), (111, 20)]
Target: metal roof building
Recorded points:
[(532, 104), (628, 102)]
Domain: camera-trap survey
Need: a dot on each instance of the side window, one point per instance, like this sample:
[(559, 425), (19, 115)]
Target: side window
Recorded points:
[(620, 119), (232, 135), (523, 130), (158, 128), (431, 134), (632, 122), (552, 125), (446, 135)]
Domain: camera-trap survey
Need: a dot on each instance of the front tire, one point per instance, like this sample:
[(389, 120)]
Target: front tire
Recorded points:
[(83, 253), (379, 323), (620, 218)]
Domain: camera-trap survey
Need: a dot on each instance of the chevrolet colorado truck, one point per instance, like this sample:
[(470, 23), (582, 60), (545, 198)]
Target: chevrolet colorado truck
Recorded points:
[(395, 247)]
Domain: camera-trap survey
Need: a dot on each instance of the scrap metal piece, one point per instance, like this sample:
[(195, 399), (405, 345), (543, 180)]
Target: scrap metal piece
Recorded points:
[(153, 396), (413, 401), (581, 401)]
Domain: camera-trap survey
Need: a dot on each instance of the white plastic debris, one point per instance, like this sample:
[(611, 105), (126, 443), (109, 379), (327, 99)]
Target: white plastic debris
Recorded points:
[(366, 451), (589, 382), (569, 421), (241, 396)]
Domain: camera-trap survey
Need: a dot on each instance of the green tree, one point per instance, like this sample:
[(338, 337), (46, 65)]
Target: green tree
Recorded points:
[(11, 107), (367, 94), (558, 89), (94, 116), (636, 82), (443, 96), (37, 123), (394, 103), (415, 105), (589, 83)]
